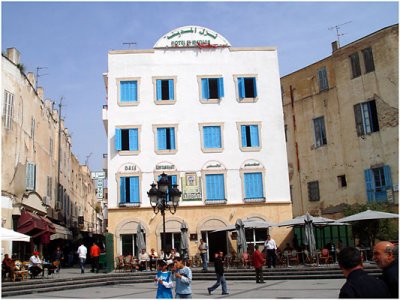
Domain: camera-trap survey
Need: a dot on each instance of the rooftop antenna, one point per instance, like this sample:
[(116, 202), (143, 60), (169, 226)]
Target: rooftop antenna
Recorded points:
[(39, 75), (337, 27), (87, 158), (129, 44)]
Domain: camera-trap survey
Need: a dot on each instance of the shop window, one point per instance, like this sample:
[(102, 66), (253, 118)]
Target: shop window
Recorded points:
[(366, 118)]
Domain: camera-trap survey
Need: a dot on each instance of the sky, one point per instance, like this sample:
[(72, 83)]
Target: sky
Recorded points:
[(72, 39)]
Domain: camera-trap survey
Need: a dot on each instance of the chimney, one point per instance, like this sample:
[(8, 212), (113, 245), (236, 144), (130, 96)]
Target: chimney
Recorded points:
[(335, 46), (13, 55), (40, 92), (31, 78)]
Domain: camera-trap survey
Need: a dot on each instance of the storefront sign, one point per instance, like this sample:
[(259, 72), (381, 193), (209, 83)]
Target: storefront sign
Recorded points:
[(191, 188), (100, 186), (192, 36)]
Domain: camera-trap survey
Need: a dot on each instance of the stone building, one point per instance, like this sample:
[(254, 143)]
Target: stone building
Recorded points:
[(341, 121), (33, 162), (208, 115)]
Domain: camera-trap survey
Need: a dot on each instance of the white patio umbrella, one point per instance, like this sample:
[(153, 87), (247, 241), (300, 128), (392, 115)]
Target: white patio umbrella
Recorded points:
[(241, 237), (368, 215), (140, 244), (309, 234), (248, 224), (11, 235), (184, 240), (300, 220)]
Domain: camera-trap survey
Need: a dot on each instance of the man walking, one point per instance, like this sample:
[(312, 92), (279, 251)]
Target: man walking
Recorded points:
[(358, 283), (270, 245), (219, 270), (183, 279), (386, 258), (82, 252), (95, 256), (258, 262), (203, 253)]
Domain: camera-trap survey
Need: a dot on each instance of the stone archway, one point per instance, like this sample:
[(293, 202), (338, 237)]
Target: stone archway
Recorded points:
[(129, 226)]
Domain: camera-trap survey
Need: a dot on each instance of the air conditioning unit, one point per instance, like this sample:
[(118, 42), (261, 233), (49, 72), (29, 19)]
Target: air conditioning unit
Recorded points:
[(46, 200)]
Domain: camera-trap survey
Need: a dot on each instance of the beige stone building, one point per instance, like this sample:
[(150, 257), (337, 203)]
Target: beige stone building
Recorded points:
[(32, 166), (341, 120)]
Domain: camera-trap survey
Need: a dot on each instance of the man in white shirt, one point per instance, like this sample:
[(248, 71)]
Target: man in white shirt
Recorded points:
[(35, 264), (144, 258), (270, 245), (82, 252)]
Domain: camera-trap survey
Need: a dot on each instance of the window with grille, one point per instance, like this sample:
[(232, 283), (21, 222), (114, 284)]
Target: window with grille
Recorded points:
[(313, 191)]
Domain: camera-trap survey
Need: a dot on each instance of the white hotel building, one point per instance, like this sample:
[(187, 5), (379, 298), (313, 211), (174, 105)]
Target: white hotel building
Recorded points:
[(209, 116)]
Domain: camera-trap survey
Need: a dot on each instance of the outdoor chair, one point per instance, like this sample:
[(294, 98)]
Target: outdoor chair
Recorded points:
[(246, 262), (325, 257), (119, 263), (128, 263)]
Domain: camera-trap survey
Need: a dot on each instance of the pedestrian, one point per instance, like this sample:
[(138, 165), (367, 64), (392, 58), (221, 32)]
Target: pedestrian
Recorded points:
[(163, 280), (258, 262), (358, 283), (95, 257), (57, 258), (82, 252), (270, 245), (219, 271), (386, 258), (203, 247), (183, 279)]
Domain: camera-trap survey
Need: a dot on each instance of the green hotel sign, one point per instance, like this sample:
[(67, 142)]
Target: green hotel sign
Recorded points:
[(192, 36)]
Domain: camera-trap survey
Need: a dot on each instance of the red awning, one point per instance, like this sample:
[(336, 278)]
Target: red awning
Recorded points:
[(34, 225)]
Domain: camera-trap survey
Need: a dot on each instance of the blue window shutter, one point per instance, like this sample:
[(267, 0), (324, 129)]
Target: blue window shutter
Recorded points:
[(220, 87), (118, 141), (128, 91), (172, 137), (220, 187), (207, 137), (244, 139), (205, 88), (254, 136), (255, 87), (133, 139), (217, 136), (388, 177), (370, 184), (161, 138), (134, 90), (253, 185), (241, 89), (171, 89), (210, 187), (158, 88), (122, 91), (134, 189), (122, 189), (215, 187), (248, 185)]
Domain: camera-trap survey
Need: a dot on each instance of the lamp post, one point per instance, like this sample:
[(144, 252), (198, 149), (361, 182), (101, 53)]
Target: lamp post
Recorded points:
[(162, 198)]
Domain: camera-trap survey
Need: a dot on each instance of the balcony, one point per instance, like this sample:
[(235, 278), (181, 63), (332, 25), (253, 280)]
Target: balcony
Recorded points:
[(105, 118)]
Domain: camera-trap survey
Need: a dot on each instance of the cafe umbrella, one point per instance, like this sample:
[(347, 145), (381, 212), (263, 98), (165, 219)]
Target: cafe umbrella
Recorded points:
[(241, 236), (184, 240), (140, 243), (309, 235)]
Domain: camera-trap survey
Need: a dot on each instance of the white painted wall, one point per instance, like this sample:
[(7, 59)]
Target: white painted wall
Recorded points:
[(186, 65)]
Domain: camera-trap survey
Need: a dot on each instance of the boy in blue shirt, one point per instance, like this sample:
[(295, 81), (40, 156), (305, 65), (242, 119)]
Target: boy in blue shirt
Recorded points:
[(164, 282)]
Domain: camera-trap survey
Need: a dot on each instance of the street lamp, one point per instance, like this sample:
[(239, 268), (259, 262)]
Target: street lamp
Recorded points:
[(163, 198)]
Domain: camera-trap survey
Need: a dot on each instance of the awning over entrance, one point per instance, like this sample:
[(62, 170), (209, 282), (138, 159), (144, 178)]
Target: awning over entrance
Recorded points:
[(61, 233), (34, 225)]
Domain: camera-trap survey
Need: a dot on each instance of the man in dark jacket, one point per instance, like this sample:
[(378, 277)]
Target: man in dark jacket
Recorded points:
[(219, 270), (358, 283), (258, 262), (386, 258)]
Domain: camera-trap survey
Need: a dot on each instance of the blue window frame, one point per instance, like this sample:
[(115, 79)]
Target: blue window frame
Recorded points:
[(129, 190), (165, 89), (127, 139), (215, 187), (378, 181), (212, 137), (128, 91), (253, 186), (250, 136), (319, 132), (166, 138), (247, 87), (212, 88)]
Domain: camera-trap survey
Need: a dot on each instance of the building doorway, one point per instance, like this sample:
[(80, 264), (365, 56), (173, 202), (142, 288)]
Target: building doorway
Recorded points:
[(216, 241), (172, 240)]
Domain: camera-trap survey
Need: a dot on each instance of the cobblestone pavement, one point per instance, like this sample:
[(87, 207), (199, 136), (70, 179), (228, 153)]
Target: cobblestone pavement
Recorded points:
[(317, 289)]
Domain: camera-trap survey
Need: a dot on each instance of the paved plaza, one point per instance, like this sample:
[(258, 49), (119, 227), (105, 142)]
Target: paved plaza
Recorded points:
[(321, 289)]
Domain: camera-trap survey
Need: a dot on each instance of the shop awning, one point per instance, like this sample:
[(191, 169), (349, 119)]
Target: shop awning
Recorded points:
[(34, 225), (61, 233)]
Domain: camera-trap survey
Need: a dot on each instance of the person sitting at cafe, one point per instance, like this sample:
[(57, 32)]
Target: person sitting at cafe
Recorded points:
[(143, 259), (35, 264), (8, 265), (288, 248), (153, 259)]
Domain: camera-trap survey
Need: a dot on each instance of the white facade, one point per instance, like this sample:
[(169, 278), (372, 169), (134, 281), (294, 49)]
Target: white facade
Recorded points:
[(188, 112)]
